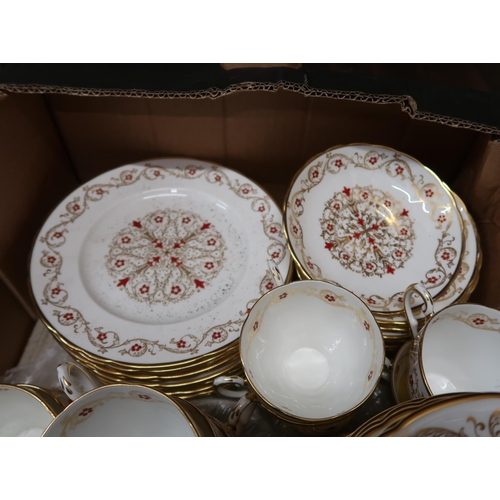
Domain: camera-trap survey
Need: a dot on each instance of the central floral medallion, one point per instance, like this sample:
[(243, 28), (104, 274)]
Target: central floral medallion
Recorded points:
[(165, 256), (367, 231)]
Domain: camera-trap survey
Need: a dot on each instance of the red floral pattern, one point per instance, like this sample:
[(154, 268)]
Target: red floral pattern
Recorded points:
[(125, 178), (184, 253), (85, 412), (363, 241)]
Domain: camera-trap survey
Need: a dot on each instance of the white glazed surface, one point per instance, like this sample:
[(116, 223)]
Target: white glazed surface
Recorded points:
[(21, 414), (401, 195), (461, 350), (121, 411), (175, 249), (312, 349), (466, 416), (466, 272)]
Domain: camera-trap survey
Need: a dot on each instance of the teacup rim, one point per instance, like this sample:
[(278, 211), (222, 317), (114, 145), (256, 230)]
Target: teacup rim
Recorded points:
[(121, 385), (308, 420), (33, 395), (423, 331)]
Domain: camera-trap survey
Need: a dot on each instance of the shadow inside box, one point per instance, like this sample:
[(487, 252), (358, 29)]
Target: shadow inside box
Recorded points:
[(264, 424)]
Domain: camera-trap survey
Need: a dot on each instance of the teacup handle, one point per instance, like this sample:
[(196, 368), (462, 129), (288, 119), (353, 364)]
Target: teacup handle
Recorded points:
[(277, 278), (386, 372), (428, 305), (245, 406), (241, 413), (221, 383), (75, 380)]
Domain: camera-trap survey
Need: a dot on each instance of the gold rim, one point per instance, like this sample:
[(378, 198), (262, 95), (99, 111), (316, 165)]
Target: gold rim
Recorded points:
[(422, 338), (172, 384), (437, 403), (438, 180), (185, 372), (159, 393), (34, 395), (401, 396), (56, 404), (53, 329), (305, 420)]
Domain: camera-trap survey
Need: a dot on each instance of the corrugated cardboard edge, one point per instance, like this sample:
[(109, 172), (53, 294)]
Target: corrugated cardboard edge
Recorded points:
[(406, 102)]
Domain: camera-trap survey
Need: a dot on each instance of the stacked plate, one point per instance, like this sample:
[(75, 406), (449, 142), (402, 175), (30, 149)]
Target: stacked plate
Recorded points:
[(146, 273), (451, 415), (375, 220)]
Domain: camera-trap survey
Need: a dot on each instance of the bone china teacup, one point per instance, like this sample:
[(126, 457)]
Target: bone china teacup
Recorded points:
[(121, 410), (25, 410), (458, 350), (312, 353)]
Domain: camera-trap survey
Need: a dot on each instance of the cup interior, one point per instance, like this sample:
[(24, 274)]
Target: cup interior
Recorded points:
[(21, 413), (312, 349), (461, 349), (121, 411)]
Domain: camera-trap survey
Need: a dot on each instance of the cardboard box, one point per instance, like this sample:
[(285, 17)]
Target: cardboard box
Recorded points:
[(263, 122)]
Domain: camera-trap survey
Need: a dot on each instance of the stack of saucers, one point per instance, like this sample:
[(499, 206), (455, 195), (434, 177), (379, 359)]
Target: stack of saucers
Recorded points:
[(450, 415), (375, 220), (146, 273)]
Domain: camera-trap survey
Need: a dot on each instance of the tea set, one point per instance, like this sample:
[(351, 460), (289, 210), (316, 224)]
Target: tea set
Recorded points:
[(175, 278)]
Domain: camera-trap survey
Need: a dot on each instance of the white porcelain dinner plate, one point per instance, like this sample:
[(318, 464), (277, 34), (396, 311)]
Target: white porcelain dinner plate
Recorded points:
[(375, 221), (157, 262)]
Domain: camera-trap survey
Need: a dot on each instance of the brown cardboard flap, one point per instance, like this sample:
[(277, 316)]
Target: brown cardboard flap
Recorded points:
[(35, 174), (15, 328), (478, 184), (267, 136)]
